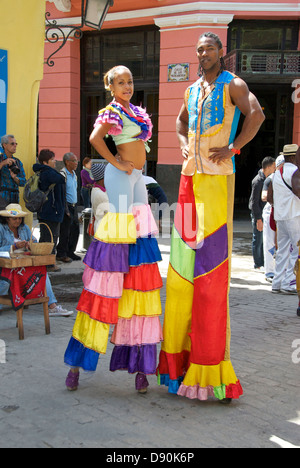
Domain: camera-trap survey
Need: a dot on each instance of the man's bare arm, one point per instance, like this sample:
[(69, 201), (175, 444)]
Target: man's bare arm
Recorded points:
[(254, 117), (182, 129), (250, 108), (296, 183), (270, 196)]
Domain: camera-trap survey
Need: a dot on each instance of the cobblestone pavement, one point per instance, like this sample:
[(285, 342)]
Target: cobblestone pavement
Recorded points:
[(37, 411)]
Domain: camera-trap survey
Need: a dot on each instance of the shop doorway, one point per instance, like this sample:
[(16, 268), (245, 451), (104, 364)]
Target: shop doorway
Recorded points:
[(276, 131), (139, 50)]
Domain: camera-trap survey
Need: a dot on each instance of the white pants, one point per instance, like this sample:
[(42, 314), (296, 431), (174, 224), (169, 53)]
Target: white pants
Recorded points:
[(269, 243), (288, 236)]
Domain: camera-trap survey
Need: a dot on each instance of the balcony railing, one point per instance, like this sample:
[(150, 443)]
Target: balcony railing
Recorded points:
[(263, 62)]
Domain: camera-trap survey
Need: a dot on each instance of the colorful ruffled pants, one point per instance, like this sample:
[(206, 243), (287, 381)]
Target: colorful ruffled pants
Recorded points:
[(195, 357), (122, 286)]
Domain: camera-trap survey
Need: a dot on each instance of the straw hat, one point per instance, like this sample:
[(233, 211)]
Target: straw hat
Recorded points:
[(290, 150), (13, 211)]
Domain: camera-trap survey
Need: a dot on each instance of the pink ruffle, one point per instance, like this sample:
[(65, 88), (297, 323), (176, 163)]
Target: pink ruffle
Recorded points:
[(144, 220), (196, 392), (233, 391), (137, 331), (103, 283), (110, 117)]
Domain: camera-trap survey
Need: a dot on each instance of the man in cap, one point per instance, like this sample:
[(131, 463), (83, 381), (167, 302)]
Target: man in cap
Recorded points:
[(12, 174), (284, 193)]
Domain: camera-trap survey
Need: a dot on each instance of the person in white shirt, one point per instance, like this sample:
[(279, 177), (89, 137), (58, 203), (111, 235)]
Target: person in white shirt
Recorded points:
[(269, 234), (99, 198), (284, 193)]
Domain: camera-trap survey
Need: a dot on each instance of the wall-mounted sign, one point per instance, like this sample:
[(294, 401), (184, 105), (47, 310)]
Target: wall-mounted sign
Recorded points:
[(3, 91), (178, 72)]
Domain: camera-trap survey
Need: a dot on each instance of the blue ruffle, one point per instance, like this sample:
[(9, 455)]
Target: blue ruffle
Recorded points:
[(77, 355), (145, 251), (173, 385)]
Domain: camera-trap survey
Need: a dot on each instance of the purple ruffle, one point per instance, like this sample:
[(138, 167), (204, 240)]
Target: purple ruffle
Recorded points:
[(134, 359), (108, 257)]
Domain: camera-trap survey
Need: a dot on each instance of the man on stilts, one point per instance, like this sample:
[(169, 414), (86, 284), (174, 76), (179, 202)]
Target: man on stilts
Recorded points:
[(195, 357)]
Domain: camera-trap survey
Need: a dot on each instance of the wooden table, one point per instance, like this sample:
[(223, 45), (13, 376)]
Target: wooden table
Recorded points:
[(23, 261)]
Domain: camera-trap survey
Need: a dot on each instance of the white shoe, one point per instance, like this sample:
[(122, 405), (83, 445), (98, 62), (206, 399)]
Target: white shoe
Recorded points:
[(58, 311), (269, 279), (289, 291)]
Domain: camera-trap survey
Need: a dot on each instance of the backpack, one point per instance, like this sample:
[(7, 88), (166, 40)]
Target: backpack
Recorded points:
[(33, 196)]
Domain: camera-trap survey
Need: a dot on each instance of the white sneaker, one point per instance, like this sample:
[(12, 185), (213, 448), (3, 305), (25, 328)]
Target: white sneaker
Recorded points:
[(58, 311), (289, 291)]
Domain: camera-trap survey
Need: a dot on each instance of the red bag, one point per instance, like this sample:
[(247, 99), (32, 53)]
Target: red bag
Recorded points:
[(91, 227), (272, 220), (24, 283)]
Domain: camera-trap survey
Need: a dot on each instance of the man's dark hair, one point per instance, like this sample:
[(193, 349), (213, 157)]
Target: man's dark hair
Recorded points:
[(45, 156), (3, 220), (218, 41), (213, 36), (267, 161)]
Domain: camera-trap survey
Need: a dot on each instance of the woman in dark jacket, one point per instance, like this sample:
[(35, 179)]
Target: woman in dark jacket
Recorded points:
[(52, 212)]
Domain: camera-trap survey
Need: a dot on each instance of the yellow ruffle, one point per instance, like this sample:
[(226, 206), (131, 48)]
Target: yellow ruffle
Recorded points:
[(117, 228), (92, 334), (139, 303), (215, 376)]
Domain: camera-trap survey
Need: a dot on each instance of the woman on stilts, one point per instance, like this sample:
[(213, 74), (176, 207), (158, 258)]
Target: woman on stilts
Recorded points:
[(121, 281)]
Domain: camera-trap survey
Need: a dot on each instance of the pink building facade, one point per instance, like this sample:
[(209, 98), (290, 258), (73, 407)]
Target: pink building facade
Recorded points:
[(157, 39)]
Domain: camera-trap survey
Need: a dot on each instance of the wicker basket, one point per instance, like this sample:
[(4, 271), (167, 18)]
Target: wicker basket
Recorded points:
[(41, 248)]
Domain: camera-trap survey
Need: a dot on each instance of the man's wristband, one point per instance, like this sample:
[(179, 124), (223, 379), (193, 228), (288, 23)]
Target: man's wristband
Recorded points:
[(235, 151)]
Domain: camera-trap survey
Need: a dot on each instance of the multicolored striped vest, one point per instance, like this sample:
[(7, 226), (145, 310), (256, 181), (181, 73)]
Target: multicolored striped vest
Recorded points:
[(213, 123)]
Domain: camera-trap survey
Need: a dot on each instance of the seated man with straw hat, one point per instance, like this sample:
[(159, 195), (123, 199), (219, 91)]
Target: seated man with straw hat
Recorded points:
[(15, 236)]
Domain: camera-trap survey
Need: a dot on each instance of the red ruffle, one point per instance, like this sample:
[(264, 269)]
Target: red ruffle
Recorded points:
[(143, 278), (234, 391), (102, 309)]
